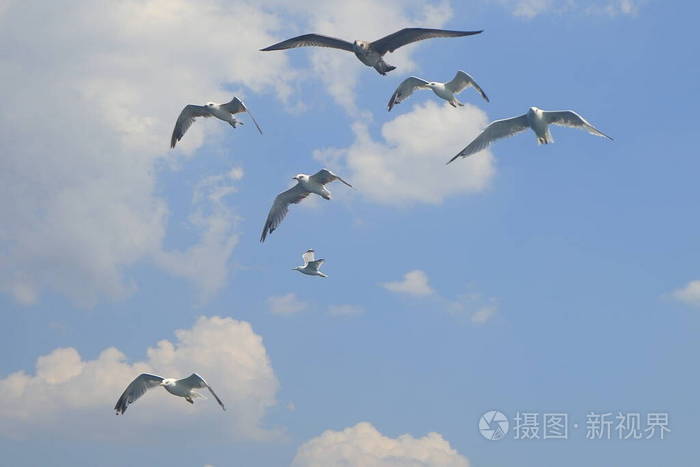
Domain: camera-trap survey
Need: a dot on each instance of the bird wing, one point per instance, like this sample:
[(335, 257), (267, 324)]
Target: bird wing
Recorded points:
[(280, 207), (237, 106), (406, 36), (185, 120), (463, 80), (405, 89), (308, 257), (315, 265), (136, 389), (311, 40), (496, 130), (571, 119), (194, 381), (324, 176)]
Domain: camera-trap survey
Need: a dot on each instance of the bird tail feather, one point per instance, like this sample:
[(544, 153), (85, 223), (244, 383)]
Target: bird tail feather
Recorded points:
[(383, 68)]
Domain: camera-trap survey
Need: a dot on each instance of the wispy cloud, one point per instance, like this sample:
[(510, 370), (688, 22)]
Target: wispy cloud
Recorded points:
[(286, 304), (532, 8), (689, 294), (345, 310), (473, 305)]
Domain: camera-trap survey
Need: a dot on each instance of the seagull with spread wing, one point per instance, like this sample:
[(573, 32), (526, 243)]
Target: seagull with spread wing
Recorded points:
[(178, 387), (306, 184), (445, 91), (311, 265), (537, 120), (223, 112), (369, 53)]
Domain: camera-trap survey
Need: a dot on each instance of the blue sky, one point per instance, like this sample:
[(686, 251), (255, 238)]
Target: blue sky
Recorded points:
[(557, 278)]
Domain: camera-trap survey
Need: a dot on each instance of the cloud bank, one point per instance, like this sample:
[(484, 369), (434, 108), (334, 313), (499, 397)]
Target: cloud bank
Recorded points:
[(67, 390)]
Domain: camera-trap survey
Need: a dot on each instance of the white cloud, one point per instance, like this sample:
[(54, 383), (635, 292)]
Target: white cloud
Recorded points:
[(689, 294), (413, 283), (286, 304), (532, 8), (483, 314), (69, 391), (81, 149), (363, 445), (345, 310), (408, 165), (472, 305), (478, 309)]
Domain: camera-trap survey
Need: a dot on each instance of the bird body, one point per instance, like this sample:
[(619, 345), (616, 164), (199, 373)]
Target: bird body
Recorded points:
[(369, 53), (537, 120), (446, 91), (311, 265), (370, 57), (306, 184), (184, 388), (223, 112), (538, 124), (313, 186)]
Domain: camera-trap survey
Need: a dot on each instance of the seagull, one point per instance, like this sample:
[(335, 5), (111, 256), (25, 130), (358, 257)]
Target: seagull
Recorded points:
[(537, 120), (223, 112), (369, 53), (177, 387), (311, 265), (306, 184), (446, 91)]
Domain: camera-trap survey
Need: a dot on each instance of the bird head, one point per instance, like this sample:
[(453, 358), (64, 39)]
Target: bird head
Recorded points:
[(210, 104), (167, 382), (298, 177), (298, 268), (534, 109), (362, 45)]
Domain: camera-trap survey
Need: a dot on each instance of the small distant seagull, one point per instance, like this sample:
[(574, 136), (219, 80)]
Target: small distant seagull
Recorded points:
[(369, 53), (177, 387), (306, 184), (223, 112), (311, 265), (446, 91), (537, 120)]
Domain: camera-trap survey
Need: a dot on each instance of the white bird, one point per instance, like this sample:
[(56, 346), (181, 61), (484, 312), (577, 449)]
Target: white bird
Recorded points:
[(177, 387), (306, 184), (537, 120), (311, 265), (223, 112), (445, 91), (369, 53)]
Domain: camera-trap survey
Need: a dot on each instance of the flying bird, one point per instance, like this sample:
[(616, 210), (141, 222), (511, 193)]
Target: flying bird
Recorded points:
[(537, 120), (311, 265), (369, 53), (178, 387), (306, 184), (445, 91), (223, 112)]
